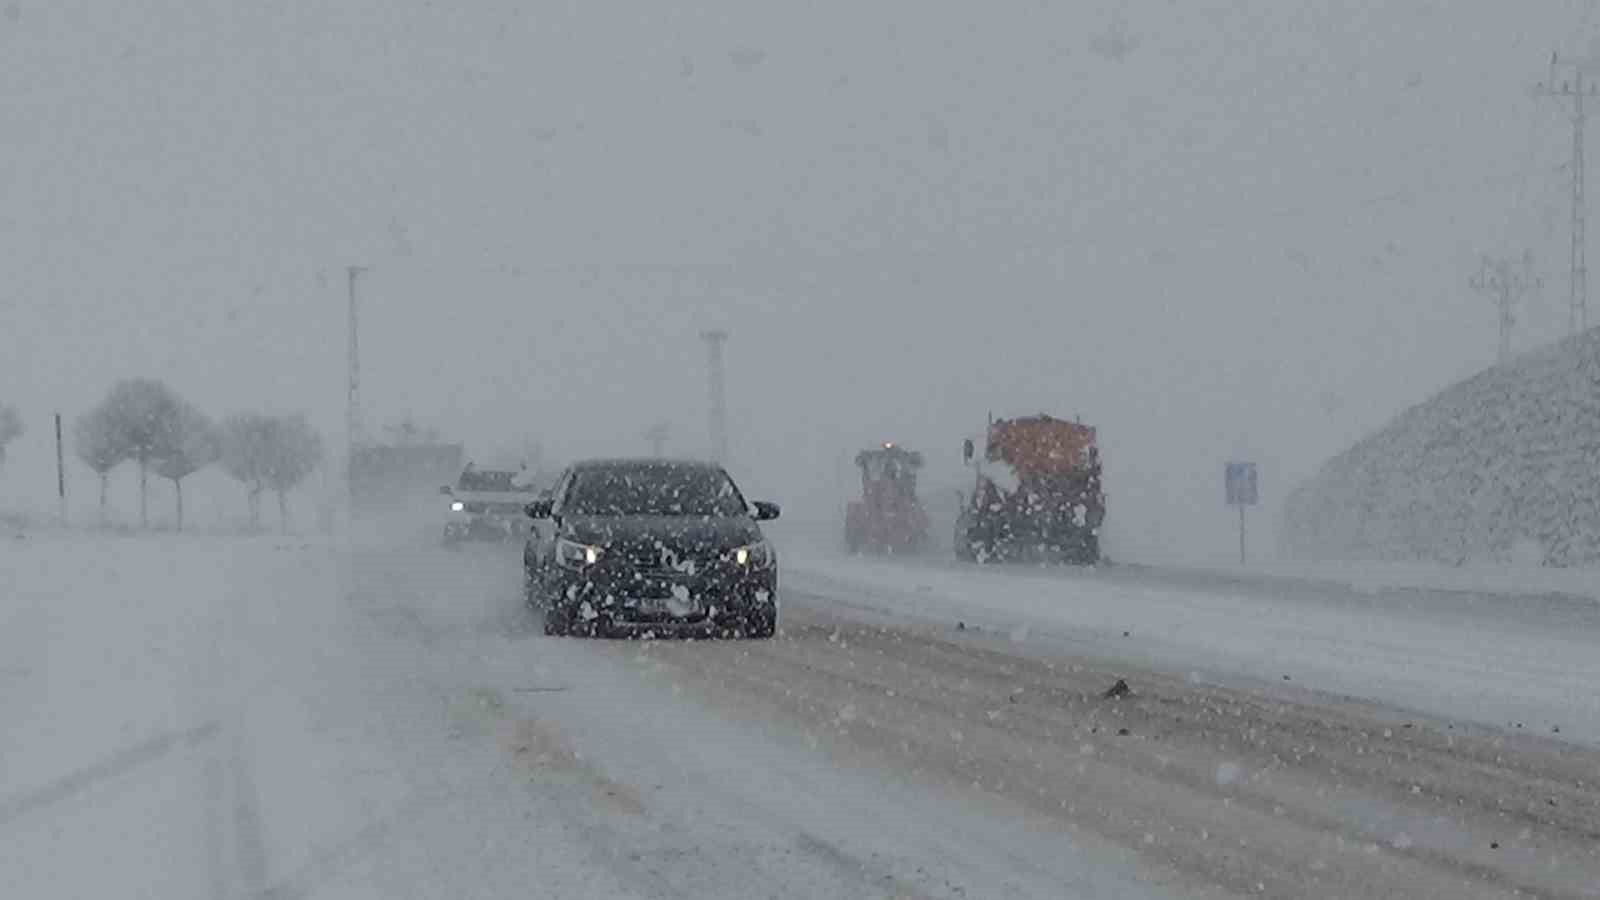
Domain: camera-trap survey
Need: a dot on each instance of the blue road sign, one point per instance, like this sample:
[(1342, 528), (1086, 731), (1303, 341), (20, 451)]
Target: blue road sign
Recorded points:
[(1239, 480)]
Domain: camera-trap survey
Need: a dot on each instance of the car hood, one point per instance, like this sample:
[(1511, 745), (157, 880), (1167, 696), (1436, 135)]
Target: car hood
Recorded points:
[(682, 535)]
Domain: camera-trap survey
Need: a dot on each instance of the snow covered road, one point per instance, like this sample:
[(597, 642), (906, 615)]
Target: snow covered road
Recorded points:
[(199, 717)]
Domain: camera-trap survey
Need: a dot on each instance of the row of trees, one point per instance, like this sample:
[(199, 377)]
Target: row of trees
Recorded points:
[(145, 422)]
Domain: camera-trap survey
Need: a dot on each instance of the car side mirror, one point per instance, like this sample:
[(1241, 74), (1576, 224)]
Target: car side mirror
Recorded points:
[(967, 450), (446, 491), (764, 511), (539, 509)]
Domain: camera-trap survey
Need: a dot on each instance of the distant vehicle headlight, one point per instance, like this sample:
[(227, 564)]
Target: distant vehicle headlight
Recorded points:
[(457, 506), (755, 556), (574, 555)]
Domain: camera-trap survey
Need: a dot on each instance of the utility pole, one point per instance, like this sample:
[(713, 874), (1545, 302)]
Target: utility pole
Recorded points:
[(714, 339), (1505, 282), (352, 420), (1575, 84)]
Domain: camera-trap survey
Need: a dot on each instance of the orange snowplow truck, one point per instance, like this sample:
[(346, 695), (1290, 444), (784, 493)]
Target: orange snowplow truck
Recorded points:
[(1037, 496)]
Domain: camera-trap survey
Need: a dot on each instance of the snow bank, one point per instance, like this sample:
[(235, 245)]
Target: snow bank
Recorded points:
[(1504, 466), (1518, 579), (1502, 662)]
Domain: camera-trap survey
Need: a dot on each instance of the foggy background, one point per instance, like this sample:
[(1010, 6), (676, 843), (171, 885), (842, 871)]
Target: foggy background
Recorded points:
[(1211, 229)]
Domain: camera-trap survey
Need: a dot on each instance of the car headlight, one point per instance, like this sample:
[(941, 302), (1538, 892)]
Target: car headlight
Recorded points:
[(755, 556), (457, 506), (574, 554)]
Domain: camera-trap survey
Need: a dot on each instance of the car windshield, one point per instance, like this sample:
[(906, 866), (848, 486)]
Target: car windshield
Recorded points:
[(481, 480), (654, 490)]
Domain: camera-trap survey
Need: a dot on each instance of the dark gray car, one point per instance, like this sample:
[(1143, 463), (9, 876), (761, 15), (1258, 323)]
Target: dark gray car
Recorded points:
[(652, 545)]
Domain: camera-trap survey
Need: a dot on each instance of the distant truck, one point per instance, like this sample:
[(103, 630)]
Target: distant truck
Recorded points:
[(1037, 496), (387, 478)]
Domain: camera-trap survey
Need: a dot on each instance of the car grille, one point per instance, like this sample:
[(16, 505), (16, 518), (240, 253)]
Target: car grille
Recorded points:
[(653, 559)]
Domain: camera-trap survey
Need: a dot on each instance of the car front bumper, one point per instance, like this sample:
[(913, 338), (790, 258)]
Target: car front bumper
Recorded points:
[(623, 596), (466, 528)]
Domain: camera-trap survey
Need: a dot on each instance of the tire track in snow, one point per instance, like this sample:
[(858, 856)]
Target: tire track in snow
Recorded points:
[(235, 842), (119, 763), (250, 855), (856, 867)]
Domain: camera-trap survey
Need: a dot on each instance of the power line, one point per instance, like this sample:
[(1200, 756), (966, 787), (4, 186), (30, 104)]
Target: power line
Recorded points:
[(1537, 138)]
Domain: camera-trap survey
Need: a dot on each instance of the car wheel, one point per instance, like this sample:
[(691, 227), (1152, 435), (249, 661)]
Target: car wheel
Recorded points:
[(761, 625), (556, 622), (598, 627), (966, 549)]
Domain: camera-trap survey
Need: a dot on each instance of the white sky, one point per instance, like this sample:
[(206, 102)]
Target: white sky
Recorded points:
[(1252, 235)]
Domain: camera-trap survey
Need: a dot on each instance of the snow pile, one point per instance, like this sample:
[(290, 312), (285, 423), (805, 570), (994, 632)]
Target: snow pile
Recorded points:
[(1003, 475), (1503, 466)]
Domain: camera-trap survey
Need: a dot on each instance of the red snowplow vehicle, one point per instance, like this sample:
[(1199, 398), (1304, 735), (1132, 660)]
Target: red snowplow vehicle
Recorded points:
[(1038, 496), (888, 518)]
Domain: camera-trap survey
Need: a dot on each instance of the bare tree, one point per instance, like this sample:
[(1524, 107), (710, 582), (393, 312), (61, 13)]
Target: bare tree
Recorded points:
[(144, 418), (295, 451), (195, 445), (247, 440), (95, 441)]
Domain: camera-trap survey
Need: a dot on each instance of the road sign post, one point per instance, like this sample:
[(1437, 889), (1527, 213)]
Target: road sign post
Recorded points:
[(1240, 489)]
